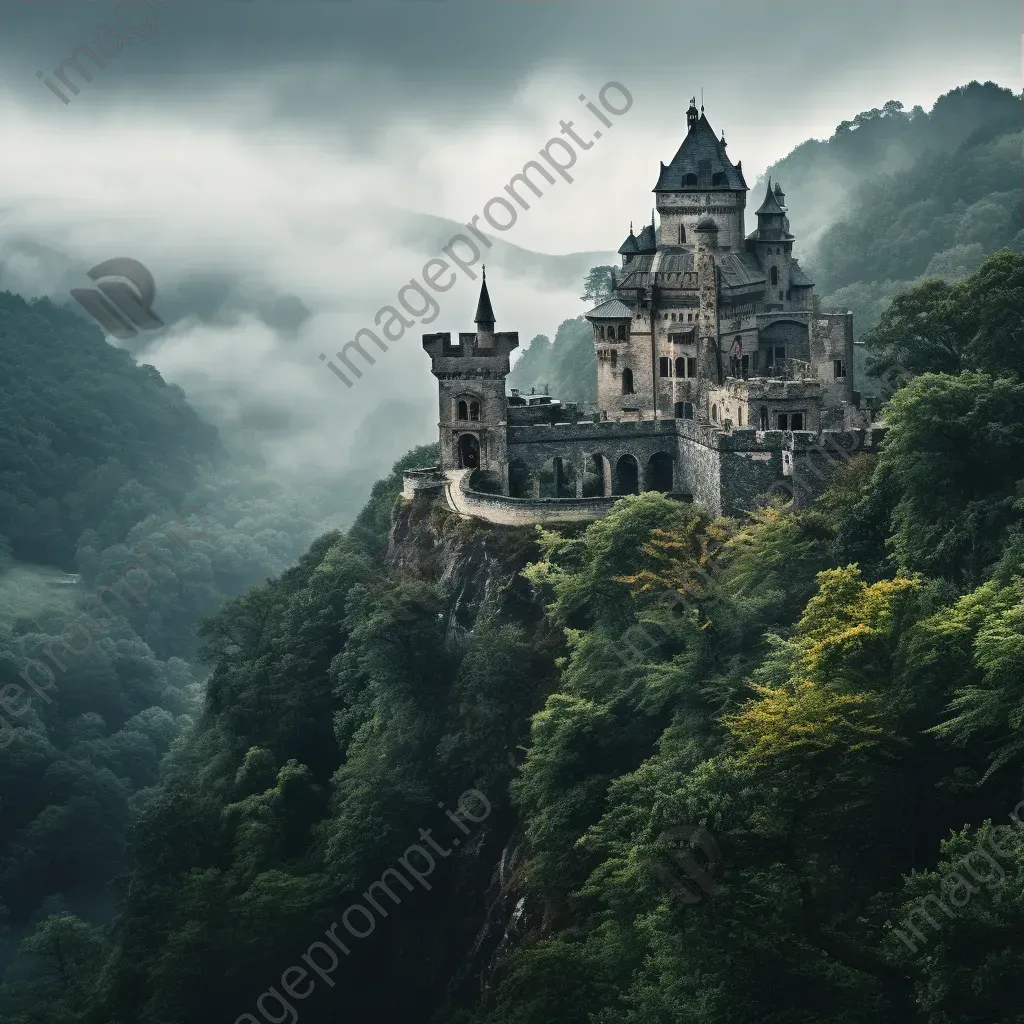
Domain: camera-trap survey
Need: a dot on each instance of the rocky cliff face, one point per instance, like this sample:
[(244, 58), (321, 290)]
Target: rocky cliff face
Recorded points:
[(479, 571)]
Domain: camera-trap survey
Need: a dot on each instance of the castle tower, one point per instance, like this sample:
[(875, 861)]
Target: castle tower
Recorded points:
[(701, 181), (709, 353), (472, 408), (774, 246)]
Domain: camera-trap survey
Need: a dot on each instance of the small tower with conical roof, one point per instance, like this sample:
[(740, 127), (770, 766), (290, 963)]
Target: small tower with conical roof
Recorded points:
[(773, 244), (472, 407)]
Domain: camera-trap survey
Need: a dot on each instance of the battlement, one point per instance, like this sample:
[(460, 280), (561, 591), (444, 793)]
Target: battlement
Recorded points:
[(474, 350), (773, 389)]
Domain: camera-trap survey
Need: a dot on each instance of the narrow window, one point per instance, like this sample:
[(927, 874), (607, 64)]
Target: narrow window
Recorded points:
[(783, 421), (680, 367), (739, 416), (615, 358), (745, 366), (687, 410), (665, 367), (714, 414), (474, 410), (622, 332), (691, 366), (774, 275), (627, 382), (679, 410), (780, 295), (462, 414), (764, 417), (682, 235), (600, 333), (673, 318), (798, 421), (838, 368)]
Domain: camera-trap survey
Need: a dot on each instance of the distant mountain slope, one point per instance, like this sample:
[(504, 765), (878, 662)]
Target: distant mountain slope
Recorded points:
[(820, 176), (88, 438), (893, 197), (28, 267)]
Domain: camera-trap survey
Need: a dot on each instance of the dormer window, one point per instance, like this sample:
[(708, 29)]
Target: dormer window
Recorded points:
[(718, 178), (690, 179)]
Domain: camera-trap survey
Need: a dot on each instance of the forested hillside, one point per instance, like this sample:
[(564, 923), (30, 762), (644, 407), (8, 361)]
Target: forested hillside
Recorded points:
[(566, 367), (895, 196), (108, 474), (829, 702)]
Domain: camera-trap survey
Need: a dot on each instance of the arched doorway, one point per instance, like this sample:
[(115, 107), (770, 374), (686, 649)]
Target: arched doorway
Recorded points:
[(597, 477), (469, 451), (658, 476), (627, 475)]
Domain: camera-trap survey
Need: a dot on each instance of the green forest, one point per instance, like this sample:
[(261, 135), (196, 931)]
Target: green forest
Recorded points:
[(663, 768)]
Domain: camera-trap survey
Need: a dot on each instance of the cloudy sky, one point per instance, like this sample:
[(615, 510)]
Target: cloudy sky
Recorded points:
[(258, 155)]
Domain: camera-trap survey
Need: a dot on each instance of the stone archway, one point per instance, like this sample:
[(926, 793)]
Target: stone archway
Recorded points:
[(627, 475), (658, 475), (597, 476), (469, 451)]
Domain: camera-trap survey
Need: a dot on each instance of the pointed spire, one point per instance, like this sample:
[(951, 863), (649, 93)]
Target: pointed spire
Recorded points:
[(771, 202), (484, 318)]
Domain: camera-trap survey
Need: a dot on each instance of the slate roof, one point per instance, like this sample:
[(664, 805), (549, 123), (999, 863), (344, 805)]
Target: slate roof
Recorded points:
[(771, 204), (484, 312), (701, 153), (740, 269), (610, 309), (646, 242), (797, 277), (629, 246)]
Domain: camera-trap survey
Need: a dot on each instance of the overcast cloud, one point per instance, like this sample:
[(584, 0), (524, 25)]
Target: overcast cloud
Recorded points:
[(259, 157)]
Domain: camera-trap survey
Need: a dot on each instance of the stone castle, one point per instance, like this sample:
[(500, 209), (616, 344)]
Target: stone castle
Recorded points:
[(718, 377)]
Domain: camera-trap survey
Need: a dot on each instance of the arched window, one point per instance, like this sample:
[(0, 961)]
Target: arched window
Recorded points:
[(474, 410), (673, 318), (622, 332), (682, 235), (463, 412), (775, 275), (680, 366), (714, 414), (600, 333), (627, 382)]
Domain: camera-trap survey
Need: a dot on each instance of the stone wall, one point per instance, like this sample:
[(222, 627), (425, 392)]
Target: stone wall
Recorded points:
[(503, 511), (832, 339)]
